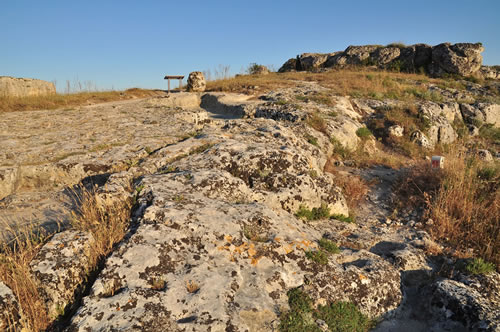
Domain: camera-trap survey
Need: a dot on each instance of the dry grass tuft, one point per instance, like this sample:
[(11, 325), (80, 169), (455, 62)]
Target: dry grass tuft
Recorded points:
[(353, 187), (14, 104), (463, 201), (107, 219), (15, 258)]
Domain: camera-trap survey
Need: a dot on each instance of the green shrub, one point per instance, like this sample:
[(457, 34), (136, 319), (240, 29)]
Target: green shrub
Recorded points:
[(316, 213), (317, 256), (343, 317), (343, 218), (340, 316), (312, 140), (479, 266), (329, 246), (363, 133)]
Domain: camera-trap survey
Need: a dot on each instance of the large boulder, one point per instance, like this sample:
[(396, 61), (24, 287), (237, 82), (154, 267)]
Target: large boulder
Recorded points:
[(23, 87), (289, 65), (479, 113), (311, 61), (196, 82), (463, 58)]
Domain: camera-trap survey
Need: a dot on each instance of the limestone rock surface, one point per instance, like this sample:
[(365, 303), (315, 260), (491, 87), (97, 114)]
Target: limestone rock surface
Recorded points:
[(196, 82), (24, 87)]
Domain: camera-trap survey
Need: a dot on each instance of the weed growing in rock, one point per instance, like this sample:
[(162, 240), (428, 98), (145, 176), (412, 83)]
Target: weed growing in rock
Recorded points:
[(312, 140), (316, 121), (339, 316), (363, 133), (343, 218), (316, 213), (329, 246), (479, 266), (317, 256), (343, 317), (106, 219), (339, 149)]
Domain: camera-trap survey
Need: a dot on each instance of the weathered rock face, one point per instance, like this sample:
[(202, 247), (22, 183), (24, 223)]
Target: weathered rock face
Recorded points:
[(462, 59), (61, 267), (492, 72), (9, 309), (23, 87), (196, 82), (480, 113)]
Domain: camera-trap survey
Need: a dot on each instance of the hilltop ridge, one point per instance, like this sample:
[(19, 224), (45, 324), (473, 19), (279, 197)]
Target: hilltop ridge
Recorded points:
[(462, 59)]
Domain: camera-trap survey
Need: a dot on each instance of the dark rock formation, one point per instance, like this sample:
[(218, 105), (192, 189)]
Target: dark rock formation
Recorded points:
[(457, 59)]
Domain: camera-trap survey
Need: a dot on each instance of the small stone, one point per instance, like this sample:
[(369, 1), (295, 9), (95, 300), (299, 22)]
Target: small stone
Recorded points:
[(411, 223), (430, 222), (396, 131), (322, 325)]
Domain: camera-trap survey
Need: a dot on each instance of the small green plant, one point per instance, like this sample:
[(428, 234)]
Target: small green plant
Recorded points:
[(313, 173), (188, 176), (343, 218), (339, 316), (316, 213), (317, 256), (479, 266), (138, 189), (148, 150), (339, 149), (344, 317), (363, 133), (312, 140), (333, 114), (329, 246)]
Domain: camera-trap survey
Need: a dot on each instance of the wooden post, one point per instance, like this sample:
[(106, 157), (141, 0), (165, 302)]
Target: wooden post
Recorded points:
[(169, 85), (180, 84)]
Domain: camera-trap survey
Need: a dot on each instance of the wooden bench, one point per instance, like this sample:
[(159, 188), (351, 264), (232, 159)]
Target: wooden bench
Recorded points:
[(174, 77)]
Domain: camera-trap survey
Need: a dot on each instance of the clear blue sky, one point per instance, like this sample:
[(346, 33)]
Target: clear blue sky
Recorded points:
[(125, 44)]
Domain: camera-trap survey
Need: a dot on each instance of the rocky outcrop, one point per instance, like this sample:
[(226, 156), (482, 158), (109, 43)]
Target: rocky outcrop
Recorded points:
[(24, 87), (479, 113), (461, 59), (196, 82)]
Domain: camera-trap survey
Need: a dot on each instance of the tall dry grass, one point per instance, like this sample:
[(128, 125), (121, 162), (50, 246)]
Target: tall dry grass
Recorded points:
[(463, 200), (357, 82), (106, 219), (13, 104), (15, 257)]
